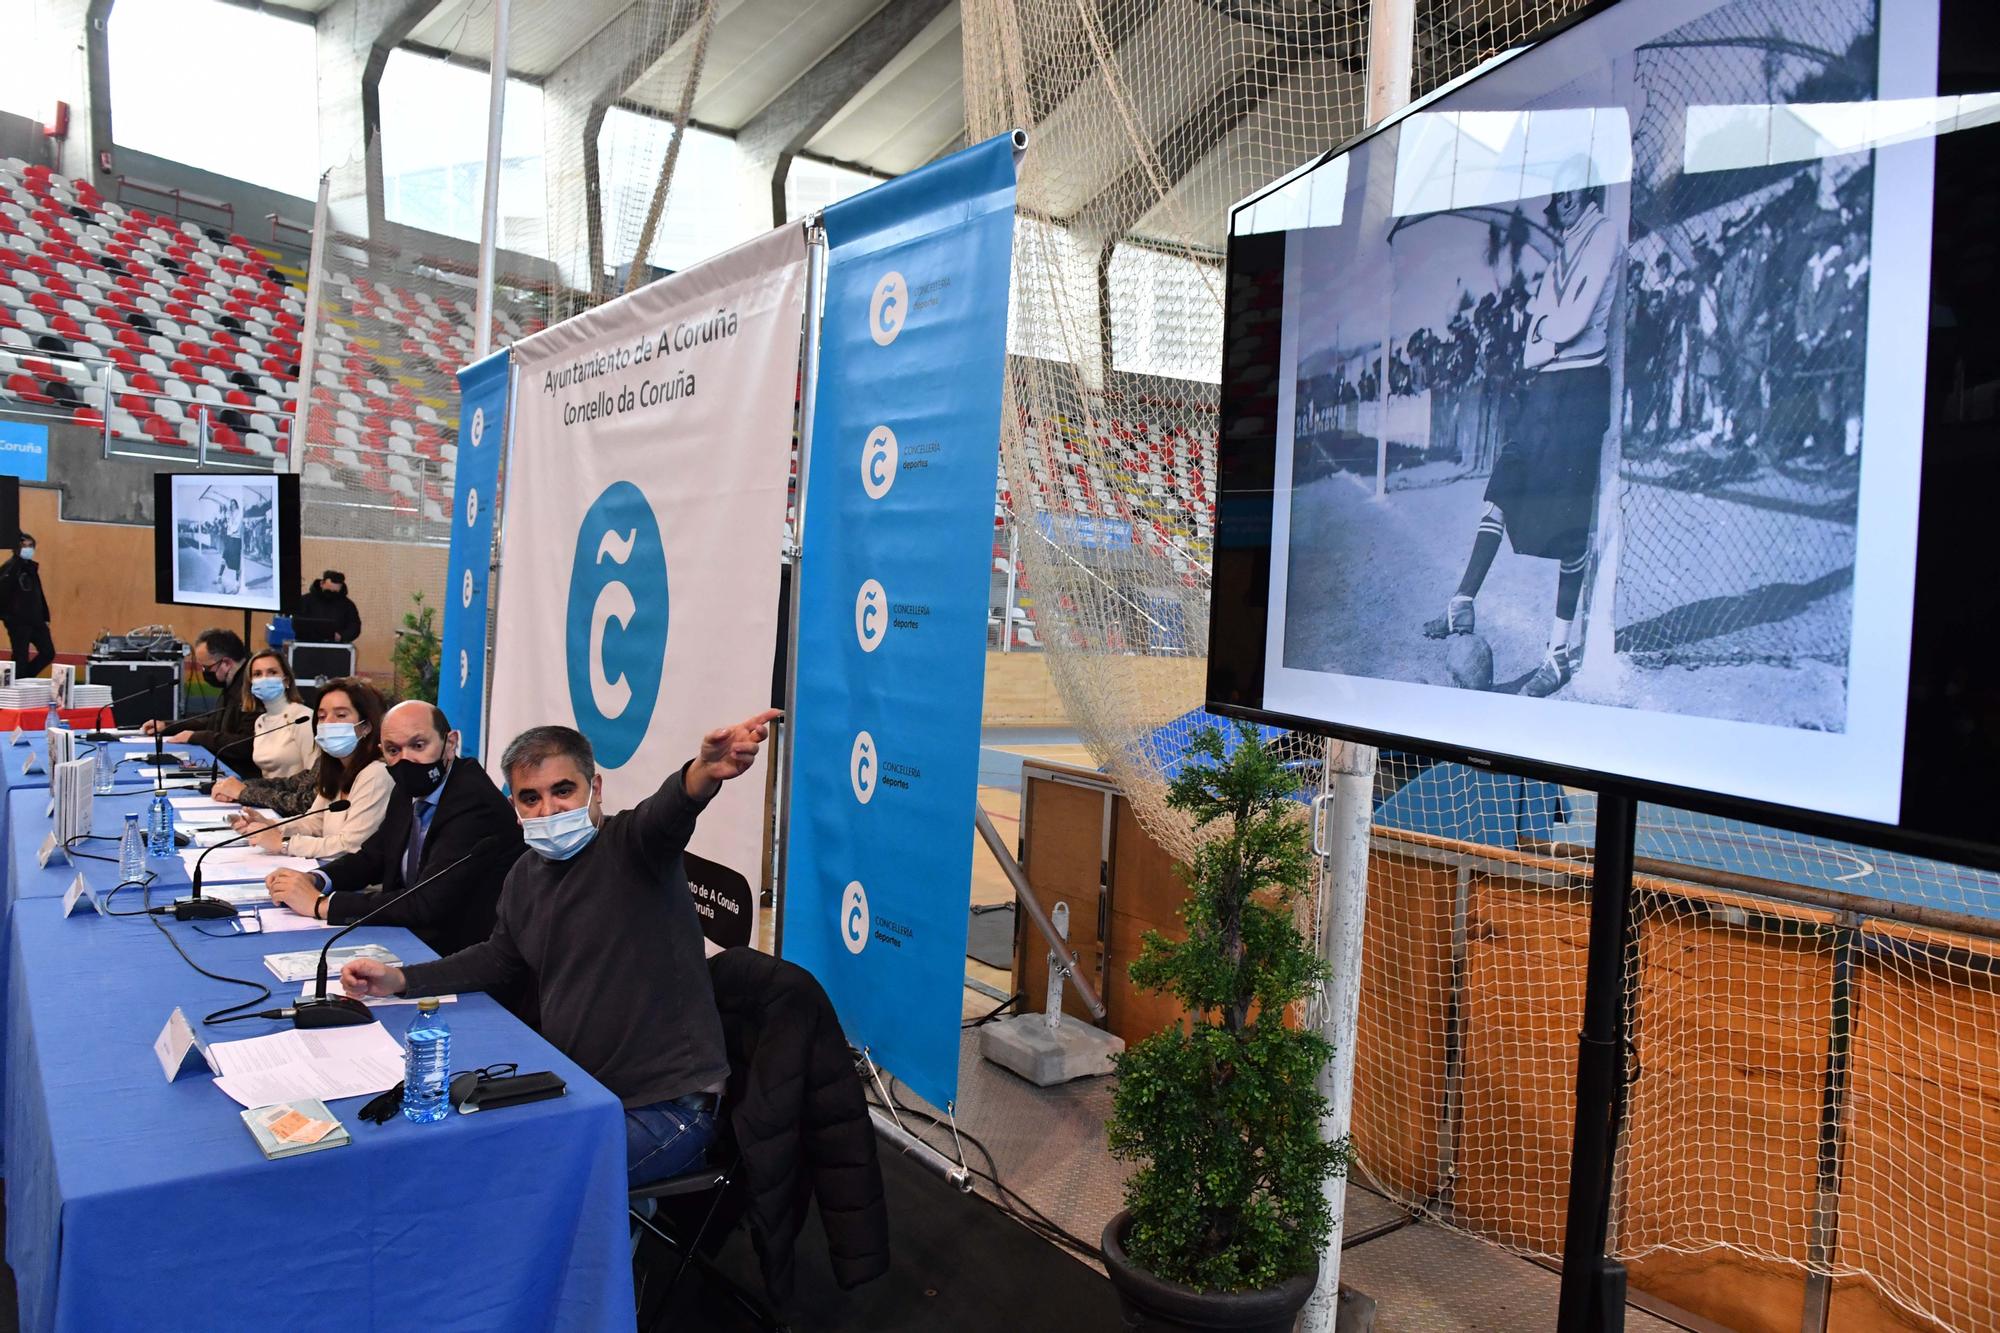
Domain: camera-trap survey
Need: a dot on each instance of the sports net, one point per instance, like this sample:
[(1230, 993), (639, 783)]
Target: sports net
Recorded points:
[(584, 190), (1746, 296), (1813, 1066), (392, 326), (1146, 122)]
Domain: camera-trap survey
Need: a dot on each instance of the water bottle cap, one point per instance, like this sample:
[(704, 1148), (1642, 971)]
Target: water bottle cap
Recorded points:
[(132, 818), (427, 1006)]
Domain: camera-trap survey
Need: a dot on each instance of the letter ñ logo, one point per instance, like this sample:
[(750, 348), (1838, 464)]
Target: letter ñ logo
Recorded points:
[(615, 637), (878, 462), (871, 615), (862, 763), (888, 308), (854, 917)]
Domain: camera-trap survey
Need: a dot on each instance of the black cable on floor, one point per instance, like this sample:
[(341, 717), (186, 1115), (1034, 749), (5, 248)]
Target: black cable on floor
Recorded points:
[(1033, 1218)]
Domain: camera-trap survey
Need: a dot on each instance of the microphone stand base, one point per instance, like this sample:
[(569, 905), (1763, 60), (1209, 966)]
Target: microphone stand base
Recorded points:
[(154, 760), (203, 909), (331, 1011)]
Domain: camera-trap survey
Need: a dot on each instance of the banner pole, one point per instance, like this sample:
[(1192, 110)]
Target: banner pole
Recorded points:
[(1348, 772), (309, 339), (808, 385), (489, 213), (494, 546)]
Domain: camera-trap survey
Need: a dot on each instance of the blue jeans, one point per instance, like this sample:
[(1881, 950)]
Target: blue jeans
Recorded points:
[(665, 1139)]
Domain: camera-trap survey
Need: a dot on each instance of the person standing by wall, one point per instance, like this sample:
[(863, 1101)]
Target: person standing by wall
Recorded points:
[(25, 608)]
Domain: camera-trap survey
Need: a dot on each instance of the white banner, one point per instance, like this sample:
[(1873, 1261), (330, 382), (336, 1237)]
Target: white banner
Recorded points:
[(645, 506)]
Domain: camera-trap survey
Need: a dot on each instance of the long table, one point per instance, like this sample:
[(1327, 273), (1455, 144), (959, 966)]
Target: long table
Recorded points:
[(26, 766), (135, 1202)]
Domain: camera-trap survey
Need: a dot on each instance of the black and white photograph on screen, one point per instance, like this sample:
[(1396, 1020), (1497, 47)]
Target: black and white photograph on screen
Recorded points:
[(1600, 437), (223, 535)]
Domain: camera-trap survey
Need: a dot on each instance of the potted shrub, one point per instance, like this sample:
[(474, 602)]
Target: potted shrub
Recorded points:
[(415, 656), (1226, 1217)]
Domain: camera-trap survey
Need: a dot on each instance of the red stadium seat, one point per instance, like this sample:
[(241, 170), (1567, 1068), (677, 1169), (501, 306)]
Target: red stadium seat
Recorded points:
[(28, 390)]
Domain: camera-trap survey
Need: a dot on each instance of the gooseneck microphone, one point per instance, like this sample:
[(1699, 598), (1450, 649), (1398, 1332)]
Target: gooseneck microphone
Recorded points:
[(194, 907), (339, 1011), (97, 737)]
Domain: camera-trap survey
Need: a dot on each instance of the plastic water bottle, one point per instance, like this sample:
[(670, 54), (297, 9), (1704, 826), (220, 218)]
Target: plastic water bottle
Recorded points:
[(427, 1065), (160, 826), (55, 722), (105, 773), (132, 852)]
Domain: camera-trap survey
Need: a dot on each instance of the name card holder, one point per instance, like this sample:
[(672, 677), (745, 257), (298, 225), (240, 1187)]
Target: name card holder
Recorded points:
[(180, 1049)]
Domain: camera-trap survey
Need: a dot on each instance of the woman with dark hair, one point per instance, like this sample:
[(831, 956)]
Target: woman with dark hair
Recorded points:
[(350, 769), (284, 748)]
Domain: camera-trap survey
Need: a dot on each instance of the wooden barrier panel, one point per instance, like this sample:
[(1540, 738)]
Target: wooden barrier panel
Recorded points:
[(1731, 1019), (1403, 1036), (100, 576), (1147, 890), (1523, 1003), (1921, 1202), (1722, 1125), (1062, 852)]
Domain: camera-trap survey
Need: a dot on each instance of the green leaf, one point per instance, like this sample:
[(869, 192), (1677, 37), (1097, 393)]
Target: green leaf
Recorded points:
[(1222, 1116)]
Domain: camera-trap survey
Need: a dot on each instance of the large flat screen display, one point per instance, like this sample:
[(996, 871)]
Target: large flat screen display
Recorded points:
[(1613, 412), (226, 540)]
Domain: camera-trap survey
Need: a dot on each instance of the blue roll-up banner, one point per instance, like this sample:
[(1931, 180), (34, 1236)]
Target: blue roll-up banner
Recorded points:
[(482, 434), (892, 605)]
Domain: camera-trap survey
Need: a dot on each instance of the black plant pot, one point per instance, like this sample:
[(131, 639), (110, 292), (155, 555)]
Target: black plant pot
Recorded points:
[(1157, 1306)]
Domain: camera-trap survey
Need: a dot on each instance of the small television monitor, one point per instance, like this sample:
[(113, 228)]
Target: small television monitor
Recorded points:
[(1627, 413), (226, 540)]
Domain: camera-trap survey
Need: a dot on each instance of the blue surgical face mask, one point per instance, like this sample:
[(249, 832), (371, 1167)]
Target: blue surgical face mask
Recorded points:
[(560, 836), (338, 738), (268, 688)]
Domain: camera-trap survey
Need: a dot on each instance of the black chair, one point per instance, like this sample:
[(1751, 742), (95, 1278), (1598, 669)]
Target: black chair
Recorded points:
[(714, 1181)]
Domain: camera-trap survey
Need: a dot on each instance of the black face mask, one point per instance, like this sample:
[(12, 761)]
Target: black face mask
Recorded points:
[(215, 676), (416, 780)]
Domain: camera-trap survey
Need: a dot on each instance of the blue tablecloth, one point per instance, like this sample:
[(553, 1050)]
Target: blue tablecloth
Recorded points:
[(13, 760), (26, 820), (14, 757), (132, 1202)]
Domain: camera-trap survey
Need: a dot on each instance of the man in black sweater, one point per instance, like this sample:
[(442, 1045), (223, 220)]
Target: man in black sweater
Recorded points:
[(444, 807), (599, 920)]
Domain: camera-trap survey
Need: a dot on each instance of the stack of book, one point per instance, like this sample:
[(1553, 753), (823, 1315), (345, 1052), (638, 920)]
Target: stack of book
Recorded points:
[(287, 1129), (89, 696), (34, 692)]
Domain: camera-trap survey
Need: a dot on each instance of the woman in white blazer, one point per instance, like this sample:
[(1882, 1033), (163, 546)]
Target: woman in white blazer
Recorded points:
[(284, 745), (350, 769)]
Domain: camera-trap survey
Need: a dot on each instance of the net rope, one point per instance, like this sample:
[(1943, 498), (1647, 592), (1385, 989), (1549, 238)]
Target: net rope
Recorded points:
[(1813, 1067)]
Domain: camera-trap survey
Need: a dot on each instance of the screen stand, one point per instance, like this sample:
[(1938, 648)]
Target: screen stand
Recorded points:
[(1593, 1285)]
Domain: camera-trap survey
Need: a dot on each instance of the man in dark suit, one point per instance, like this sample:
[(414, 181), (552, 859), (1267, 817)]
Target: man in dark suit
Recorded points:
[(443, 807)]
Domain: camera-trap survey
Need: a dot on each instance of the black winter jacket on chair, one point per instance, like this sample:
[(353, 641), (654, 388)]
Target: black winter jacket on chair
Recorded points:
[(799, 1118)]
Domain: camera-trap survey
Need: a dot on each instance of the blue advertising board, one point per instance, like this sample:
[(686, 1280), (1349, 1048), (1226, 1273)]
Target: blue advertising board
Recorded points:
[(892, 612), (482, 433), (24, 450)]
